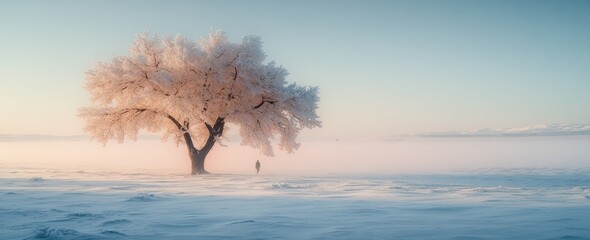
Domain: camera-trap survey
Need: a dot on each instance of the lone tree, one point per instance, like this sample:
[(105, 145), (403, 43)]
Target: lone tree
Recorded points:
[(190, 91)]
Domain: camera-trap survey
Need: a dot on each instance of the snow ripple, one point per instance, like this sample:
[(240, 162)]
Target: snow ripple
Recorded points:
[(54, 233), (115, 222), (84, 215), (113, 233), (242, 222), (36, 179), (143, 197), (290, 186)]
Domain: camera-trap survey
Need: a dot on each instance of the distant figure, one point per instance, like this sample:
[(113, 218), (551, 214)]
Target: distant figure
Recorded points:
[(257, 166)]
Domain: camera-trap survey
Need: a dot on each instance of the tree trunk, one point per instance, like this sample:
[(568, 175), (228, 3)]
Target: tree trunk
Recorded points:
[(197, 157), (198, 162)]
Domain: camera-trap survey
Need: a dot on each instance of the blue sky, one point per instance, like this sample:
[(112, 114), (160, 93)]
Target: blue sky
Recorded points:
[(383, 67)]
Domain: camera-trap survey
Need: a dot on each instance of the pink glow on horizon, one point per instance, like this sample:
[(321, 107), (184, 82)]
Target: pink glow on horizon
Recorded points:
[(313, 157)]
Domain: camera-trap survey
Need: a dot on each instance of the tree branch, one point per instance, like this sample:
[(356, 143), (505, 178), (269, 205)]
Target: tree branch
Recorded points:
[(217, 128), (140, 110), (214, 131), (178, 125), (264, 101), (211, 130)]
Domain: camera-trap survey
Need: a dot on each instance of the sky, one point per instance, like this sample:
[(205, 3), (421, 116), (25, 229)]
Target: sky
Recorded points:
[(384, 68)]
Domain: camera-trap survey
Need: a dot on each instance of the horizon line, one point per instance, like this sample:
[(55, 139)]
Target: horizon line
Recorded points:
[(541, 130)]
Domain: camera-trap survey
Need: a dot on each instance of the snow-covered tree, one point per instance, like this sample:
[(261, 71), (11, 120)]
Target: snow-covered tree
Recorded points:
[(190, 91)]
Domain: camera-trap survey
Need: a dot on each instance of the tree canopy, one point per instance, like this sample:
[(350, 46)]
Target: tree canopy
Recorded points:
[(189, 91)]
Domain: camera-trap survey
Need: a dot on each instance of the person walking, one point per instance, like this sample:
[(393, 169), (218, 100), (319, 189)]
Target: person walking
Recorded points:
[(257, 166)]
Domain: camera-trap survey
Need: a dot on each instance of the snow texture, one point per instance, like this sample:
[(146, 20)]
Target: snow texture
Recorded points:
[(488, 204)]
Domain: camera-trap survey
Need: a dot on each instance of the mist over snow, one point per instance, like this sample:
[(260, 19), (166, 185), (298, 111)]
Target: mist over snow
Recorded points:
[(54, 138), (40, 137)]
